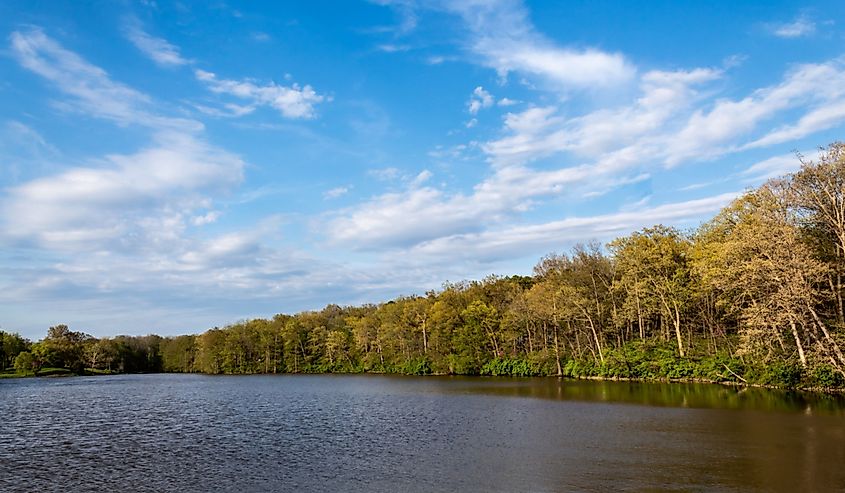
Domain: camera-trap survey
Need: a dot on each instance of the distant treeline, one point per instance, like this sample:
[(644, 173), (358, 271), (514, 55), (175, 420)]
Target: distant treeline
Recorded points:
[(755, 295)]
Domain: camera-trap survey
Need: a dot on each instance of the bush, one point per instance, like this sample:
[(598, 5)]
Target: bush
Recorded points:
[(418, 366), (779, 374), (826, 377), (513, 367), (576, 368), (716, 368)]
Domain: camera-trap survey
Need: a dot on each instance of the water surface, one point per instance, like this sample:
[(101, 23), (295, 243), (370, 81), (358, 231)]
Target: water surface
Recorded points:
[(191, 433)]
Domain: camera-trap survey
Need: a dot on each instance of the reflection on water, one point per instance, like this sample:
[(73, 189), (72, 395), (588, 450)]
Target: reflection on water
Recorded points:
[(374, 433), (661, 394)]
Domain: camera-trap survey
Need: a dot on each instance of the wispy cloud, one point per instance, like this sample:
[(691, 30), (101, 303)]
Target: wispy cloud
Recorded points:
[(156, 49), (393, 48), (773, 167), (260, 37), (514, 241), (538, 132), (674, 120), (90, 89), (294, 101), (502, 37), (335, 192), (802, 26)]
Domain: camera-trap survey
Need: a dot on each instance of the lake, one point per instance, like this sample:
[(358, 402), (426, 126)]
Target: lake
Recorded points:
[(200, 433)]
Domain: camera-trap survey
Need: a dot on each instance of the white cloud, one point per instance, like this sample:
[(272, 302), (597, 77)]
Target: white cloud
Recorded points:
[(23, 152), (800, 27), (820, 88), (440, 59), (541, 132), (422, 213), (823, 117), (676, 119), (24, 135), (384, 174), (110, 203), (158, 50), (336, 192), (291, 101), (478, 100), (668, 123), (90, 88), (228, 110), (118, 228), (207, 218), (503, 38), (773, 167), (421, 178), (393, 48), (515, 241)]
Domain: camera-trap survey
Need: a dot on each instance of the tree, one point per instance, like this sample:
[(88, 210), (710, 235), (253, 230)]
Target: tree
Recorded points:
[(64, 348), (654, 264), (24, 362), (818, 194), (767, 274), (11, 345)]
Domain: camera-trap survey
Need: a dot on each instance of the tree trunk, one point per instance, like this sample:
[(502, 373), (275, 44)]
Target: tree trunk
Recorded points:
[(798, 343), (595, 337), (827, 337), (677, 322), (557, 354)]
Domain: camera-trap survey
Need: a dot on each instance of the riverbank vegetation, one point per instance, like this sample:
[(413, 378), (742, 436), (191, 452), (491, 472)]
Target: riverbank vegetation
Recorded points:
[(755, 295)]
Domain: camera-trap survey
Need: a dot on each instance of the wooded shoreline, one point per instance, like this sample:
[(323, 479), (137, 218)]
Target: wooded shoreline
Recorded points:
[(817, 390)]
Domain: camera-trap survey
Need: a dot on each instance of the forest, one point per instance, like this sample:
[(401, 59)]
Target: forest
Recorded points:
[(753, 296)]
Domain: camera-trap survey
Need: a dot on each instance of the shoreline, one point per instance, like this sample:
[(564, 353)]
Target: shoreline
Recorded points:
[(815, 390)]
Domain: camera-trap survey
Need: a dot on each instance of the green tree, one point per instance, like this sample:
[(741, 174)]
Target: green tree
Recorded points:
[(655, 262), (24, 362)]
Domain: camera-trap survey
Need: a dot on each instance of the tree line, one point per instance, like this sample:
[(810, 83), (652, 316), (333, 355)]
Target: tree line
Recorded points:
[(754, 295)]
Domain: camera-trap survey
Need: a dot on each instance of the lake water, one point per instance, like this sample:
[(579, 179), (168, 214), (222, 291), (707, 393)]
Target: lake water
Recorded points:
[(190, 433)]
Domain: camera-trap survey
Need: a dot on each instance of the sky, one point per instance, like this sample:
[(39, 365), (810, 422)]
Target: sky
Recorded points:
[(166, 167)]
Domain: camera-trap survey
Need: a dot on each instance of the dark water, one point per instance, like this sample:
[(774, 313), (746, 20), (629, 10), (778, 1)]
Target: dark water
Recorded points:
[(189, 433)]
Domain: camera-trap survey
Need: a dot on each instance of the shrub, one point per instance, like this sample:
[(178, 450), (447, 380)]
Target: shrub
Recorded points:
[(827, 377), (514, 367)]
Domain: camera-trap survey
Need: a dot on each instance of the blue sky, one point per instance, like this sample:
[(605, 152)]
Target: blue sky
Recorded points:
[(169, 166)]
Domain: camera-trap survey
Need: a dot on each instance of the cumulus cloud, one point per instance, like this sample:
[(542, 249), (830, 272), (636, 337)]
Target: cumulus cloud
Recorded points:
[(110, 202), (478, 100), (294, 101), (207, 218)]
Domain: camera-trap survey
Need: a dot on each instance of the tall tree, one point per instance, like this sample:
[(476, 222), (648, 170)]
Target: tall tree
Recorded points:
[(655, 261), (818, 193)]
